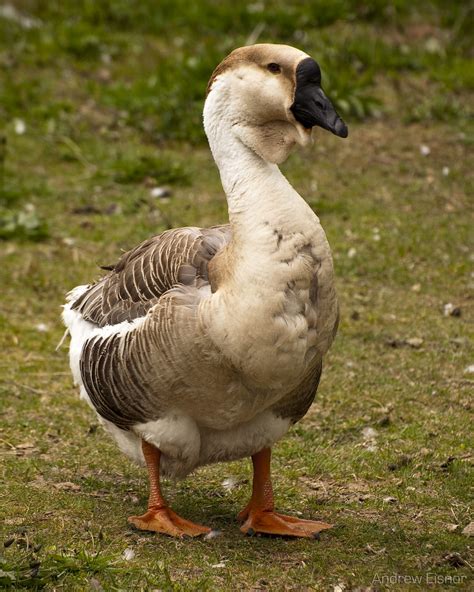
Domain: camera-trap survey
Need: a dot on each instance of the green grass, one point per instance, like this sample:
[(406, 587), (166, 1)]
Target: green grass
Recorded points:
[(111, 95)]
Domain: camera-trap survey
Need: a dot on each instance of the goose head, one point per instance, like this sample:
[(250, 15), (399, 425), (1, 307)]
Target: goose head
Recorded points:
[(270, 97)]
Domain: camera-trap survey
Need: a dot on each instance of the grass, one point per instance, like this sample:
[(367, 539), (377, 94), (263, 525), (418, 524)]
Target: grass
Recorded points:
[(110, 95)]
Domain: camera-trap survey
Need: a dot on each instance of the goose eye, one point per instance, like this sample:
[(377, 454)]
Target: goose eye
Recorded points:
[(274, 68)]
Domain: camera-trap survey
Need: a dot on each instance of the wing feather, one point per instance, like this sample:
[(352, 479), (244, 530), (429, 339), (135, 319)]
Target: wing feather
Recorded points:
[(144, 274)]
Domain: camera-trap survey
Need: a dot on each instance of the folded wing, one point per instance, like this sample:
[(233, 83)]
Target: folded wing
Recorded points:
[(142, 275)]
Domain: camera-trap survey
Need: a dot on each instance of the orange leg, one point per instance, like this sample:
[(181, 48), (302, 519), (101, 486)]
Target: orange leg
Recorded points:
[(259, 515), (159, 517)]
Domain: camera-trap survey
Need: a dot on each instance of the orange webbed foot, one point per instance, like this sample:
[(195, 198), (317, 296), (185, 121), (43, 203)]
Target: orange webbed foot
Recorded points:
[(165, 521), (273, 523)]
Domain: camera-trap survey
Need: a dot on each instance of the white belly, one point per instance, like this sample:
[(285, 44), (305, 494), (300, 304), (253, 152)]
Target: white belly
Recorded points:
[(185, 446)]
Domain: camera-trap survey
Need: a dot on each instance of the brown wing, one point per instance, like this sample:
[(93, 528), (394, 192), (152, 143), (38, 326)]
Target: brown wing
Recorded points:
[(144, 274)]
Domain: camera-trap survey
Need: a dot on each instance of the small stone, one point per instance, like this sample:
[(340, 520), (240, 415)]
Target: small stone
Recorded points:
[(469, 529), (445, 171), (390, 500), (416, 288), (469, 369), (42, 327), (425, 150), (415, 342), (352, 252)]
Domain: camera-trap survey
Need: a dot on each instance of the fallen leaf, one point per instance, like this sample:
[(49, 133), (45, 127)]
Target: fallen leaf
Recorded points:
[(67, 486)]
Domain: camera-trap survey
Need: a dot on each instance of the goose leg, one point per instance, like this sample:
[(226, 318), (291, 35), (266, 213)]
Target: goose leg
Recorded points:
[(159, 517), (259, 515)]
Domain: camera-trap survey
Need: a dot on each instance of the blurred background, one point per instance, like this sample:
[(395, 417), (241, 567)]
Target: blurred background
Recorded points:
[(77, 76), (101, 146)]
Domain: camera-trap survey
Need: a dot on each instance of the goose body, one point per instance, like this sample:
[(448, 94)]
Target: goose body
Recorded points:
[(207, 344)]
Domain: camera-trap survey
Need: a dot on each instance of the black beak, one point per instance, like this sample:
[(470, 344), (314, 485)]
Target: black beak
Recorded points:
[(311, 106)]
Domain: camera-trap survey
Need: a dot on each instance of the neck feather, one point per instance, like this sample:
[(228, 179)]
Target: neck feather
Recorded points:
[(256, 190)]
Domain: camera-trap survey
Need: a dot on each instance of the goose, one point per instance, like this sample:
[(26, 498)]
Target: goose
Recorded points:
[(204, 345)]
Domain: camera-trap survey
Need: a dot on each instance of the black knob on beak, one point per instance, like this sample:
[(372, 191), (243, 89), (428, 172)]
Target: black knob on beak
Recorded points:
[(311, 106)]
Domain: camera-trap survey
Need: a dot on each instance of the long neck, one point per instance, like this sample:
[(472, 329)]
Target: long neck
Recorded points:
[(256, 190)]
